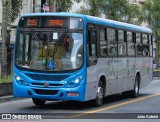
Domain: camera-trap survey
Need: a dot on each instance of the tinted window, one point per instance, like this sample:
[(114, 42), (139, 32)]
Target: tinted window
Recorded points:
[(145, 44), (121, 43), (91, 43), (139, 47), (112, 43), (150, 44), (103, 43), (130, 44)]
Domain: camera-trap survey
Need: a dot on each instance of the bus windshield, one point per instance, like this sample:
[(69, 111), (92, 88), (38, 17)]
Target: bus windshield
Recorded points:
[(49, 51)]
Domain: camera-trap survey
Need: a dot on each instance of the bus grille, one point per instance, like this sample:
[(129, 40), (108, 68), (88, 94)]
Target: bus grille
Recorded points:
[(45, 92), (42, 84), (47, 77)]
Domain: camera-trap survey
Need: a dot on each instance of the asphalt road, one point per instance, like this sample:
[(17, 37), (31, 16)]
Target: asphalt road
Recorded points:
[(115, 107)]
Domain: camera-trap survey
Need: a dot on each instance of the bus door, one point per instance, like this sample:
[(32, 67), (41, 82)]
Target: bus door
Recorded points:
[(91, 46), (92, 72)]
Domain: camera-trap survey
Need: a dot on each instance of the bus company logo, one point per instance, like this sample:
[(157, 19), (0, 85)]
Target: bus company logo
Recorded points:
[(6, 116), (46, 84)]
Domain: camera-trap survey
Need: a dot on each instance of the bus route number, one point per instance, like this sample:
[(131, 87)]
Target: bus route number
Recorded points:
[(32, 22)]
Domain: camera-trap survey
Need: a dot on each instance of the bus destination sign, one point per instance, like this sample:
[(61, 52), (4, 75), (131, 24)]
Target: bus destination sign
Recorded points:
[(55, 23), (51, 22)]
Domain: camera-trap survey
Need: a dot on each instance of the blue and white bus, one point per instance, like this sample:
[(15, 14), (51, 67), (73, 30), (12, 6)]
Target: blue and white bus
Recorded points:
[(65, 56)]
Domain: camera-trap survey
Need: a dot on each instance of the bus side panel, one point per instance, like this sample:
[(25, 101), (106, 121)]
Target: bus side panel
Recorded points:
[(139, 68), (143, 66), (126, 72), (105, 67), (151, 68), (131, 62), (111, 75), (146, 76), (91, 82), (122, 73)]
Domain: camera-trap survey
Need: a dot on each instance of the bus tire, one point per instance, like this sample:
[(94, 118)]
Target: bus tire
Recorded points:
[(100, 95), (135, 92), (38, 102)]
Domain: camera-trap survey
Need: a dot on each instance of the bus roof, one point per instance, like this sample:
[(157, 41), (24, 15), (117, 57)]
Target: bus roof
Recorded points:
[(121, 25), (97, 20)]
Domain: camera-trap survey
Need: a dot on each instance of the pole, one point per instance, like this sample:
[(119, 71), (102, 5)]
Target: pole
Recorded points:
[(4, 33)]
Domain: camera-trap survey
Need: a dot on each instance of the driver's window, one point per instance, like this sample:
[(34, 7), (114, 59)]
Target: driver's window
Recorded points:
[(91, 43), (91, 47)]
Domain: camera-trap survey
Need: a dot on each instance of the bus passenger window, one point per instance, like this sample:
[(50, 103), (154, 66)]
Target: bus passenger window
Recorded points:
[(139, 47), (130, 43), (112, 43), (121, 43), (145, 44), (103, 43), (150, 44)]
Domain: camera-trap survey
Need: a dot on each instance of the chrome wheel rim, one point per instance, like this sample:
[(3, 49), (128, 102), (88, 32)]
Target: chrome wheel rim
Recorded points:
[(100, 94), (136, 87)]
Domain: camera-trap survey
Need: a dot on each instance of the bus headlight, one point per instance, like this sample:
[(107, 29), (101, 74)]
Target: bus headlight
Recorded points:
[(18, 78), (76, 82), (20, 81)]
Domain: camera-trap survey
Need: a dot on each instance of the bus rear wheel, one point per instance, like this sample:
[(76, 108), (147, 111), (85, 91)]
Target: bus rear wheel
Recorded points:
[(135, 92), (99, 96), (38, 102)]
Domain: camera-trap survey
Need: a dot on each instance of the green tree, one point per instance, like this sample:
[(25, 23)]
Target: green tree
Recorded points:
[(62, 5), (115, 9), (119, 10), (83, 10), (10, 11), (156, 26), (13, 9), (147, 13), (95, 8), (150, 15), (133, 12)]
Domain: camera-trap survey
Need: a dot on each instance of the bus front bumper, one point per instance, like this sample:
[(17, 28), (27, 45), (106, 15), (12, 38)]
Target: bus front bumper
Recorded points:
[(76, 93)]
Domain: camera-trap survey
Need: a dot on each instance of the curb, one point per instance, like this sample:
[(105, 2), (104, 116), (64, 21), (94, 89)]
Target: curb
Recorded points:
[(156, 78), (6, 89), (9, 98)]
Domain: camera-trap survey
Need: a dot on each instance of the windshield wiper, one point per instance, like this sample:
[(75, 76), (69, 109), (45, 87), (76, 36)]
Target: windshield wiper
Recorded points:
[(59, 42)]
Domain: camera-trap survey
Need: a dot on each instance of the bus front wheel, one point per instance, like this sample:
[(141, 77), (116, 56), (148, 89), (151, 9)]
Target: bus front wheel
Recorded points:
[(38, 102), (99, 96)]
